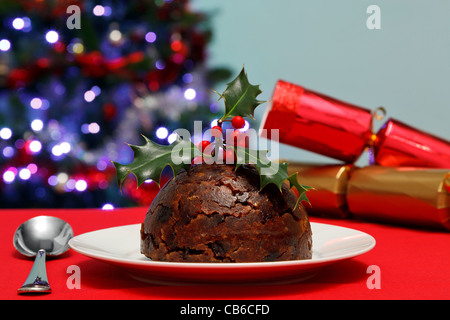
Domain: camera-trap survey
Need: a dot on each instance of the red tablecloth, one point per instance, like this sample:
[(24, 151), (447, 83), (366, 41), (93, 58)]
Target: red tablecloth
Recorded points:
[(413, 264)]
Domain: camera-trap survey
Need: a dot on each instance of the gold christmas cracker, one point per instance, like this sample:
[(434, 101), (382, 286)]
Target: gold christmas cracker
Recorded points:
[(330, 184), (401, 195), (408, 196)]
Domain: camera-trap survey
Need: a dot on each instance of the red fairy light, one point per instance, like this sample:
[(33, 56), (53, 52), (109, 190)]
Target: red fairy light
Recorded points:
[(176, 45)]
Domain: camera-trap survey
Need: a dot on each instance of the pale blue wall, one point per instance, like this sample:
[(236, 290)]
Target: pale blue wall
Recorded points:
[(325, 45)]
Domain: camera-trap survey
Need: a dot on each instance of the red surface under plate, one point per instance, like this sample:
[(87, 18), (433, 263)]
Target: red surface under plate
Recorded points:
[(411, 264)]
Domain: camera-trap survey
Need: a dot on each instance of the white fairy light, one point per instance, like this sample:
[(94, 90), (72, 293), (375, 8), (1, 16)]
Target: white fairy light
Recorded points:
[(98, 10), (57, 150), (115, 35), (65, 147), (37, 125), (108, 206), (24, 174), (35, 146), (18, 23), (172, 138), (190, 94), (36, 103), (5, 133), (89, 96), (9, 176), (81, 185), (51, 36), (162, 132), (93, 128), (5, 45)]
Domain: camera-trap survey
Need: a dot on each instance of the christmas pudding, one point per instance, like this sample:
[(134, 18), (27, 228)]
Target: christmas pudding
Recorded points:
[(235, 206), (216, 214)]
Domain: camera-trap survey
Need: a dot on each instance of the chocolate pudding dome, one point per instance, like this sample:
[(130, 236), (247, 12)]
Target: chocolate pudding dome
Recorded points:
[(214, 213)]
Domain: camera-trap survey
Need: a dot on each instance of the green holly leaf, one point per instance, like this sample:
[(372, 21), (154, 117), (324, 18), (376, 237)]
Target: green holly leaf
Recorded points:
[(151, 158), (293, 182), (271, 172), (240, 97)]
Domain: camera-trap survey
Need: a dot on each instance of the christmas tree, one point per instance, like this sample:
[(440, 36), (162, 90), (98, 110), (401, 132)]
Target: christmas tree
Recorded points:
[(79, 80)]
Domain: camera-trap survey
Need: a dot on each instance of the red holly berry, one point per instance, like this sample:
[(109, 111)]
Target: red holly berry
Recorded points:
[(237, 139), (216, 131), (234, 138), (203, 145), (238, 122)]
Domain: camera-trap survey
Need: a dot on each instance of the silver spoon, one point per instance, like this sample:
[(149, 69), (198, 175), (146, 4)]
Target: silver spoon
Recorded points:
[(41, 236)]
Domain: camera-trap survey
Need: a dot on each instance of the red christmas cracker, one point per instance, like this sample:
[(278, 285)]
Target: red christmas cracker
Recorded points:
[(322, 124)]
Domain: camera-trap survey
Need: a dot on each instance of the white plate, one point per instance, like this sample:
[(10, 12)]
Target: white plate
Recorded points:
[(121, 246)]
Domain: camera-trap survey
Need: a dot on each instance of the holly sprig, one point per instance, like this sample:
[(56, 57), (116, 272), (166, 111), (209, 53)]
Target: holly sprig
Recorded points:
[(240, 99), (151, 158)]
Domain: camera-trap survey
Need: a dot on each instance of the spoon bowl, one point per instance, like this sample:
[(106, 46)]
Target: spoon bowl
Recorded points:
[(41, 236), (43, 232)]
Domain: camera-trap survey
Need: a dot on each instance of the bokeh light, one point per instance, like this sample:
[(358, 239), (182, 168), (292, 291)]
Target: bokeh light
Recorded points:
[(150, 37), (5, 133), (9, 176), (89, 96), (5, 45), (52, 36), (190, 94), (162, 132), (37, 125), (108, 206), (18, 23), (98, 10), (36, 103), (35, 146), (81, 185), (24, 174)]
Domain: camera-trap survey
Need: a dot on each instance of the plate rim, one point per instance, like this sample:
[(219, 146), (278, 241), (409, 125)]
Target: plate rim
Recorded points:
[(210, 265)]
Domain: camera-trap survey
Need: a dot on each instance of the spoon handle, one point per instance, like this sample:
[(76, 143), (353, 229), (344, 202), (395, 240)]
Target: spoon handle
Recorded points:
[(37, 281)]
